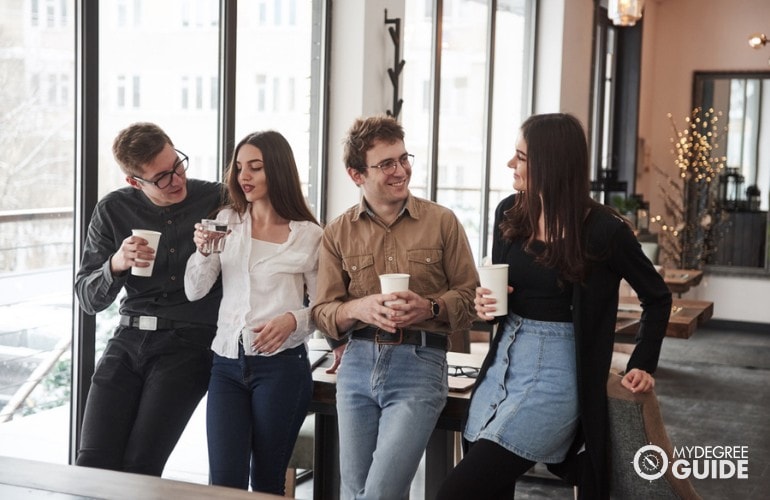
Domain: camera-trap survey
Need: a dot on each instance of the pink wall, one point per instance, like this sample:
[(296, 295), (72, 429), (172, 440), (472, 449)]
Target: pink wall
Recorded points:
[(683, 36), (680, 37)]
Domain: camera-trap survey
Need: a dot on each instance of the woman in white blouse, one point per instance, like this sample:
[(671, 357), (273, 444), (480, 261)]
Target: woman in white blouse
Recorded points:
[(260, 385)]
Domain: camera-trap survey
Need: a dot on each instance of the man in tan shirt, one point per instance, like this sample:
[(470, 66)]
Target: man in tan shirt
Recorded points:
[(392, 384)]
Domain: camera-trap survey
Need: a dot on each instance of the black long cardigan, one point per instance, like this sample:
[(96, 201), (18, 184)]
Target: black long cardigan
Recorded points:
[(616, 254)]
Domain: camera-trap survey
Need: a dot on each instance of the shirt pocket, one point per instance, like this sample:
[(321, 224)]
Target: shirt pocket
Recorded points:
[(426, 271), (363, 276)]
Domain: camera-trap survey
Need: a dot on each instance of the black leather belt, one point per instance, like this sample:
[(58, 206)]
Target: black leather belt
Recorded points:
[(403, 336), (149, 323)]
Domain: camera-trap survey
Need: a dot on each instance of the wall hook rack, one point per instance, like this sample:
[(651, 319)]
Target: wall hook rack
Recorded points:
[(398, 64)]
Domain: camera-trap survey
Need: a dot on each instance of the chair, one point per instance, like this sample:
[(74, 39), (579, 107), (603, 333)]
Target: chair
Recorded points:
[(635, 421), (651, 250), (301, 457)]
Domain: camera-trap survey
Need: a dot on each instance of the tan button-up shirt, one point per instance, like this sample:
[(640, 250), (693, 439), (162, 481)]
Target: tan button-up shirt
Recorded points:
[(426, 241)]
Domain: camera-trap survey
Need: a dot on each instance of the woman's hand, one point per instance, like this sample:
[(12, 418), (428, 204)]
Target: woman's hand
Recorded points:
[(200, 237), (271, 335), (638, 381), (485, 306)]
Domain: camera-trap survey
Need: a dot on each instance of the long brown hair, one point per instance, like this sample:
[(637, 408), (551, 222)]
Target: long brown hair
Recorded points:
[(558, 185), (283, 185)]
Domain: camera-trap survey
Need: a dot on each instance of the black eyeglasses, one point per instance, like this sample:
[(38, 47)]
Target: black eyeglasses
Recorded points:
[(387, 167), (162, 181), (463, 371)]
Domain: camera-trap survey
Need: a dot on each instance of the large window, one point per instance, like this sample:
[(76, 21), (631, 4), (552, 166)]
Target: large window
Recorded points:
[(164, 66), (157, 61), (273, 87), (37, 134), (466, 90)]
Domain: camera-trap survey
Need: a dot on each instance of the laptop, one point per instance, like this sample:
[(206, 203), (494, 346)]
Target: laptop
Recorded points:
[(316, 358), (460, 384)]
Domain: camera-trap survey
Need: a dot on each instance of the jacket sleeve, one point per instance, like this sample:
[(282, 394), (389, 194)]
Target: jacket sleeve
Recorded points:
[(654, 296)]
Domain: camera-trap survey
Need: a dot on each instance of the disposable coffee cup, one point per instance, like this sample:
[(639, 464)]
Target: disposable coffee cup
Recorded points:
[(216, 231), (495, 277), (152, 237), (390, 283)]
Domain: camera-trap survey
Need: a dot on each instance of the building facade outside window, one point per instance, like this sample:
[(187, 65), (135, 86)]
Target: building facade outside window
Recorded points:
[(456, 118), (159, 62)]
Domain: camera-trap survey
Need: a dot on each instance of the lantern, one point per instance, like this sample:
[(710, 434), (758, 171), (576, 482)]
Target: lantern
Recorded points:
[(731, 189)]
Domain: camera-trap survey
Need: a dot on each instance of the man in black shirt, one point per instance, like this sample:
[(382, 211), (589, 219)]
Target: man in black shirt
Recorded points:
[(155, 369)]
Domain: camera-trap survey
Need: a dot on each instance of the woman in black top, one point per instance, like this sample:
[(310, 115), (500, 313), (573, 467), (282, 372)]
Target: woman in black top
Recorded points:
[(541, 394)]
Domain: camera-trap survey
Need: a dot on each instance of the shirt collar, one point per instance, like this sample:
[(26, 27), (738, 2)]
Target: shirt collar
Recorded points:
[(410, 208)]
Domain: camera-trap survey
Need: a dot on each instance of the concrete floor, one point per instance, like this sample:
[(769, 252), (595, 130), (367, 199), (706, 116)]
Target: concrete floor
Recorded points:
[(714, 390)]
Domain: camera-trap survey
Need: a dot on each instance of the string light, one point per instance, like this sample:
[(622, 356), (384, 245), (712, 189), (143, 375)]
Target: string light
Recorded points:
[(757, 40), (690, 199)]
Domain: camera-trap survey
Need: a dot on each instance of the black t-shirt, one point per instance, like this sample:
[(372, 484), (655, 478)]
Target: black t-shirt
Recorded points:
[(538, 292)]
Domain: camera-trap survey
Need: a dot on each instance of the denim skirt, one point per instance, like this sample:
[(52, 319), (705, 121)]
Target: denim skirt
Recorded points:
[(527, 402)]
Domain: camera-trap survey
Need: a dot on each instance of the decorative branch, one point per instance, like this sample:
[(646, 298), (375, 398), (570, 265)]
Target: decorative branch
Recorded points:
[(689, 224), (398, 64)]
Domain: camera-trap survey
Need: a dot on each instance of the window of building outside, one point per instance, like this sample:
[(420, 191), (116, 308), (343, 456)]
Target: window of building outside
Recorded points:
[(471, 145), (37, 131), (159, 62), (273, 86)]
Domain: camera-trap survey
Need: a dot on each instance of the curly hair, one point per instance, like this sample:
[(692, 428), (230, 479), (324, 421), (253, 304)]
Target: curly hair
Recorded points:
[(364, 133)]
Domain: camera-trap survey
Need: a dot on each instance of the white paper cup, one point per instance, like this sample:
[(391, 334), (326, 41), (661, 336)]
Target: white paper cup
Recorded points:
[(390, 283), (217, 230), (152, 237), (495, 277)]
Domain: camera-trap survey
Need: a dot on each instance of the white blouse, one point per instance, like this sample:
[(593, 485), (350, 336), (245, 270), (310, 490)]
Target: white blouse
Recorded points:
[(258, 286)]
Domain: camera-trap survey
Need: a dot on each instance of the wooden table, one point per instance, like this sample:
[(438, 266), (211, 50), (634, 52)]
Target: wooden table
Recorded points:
[(686, 316), (680, 281), (21, 478), (439, 455)]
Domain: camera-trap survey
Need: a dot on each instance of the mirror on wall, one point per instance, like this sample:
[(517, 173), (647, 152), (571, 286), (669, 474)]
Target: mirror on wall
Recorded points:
[(743, 98)]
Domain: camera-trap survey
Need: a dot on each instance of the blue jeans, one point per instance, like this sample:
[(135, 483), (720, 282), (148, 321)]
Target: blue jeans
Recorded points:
[(256, 406), (144, 390), (388, 401)]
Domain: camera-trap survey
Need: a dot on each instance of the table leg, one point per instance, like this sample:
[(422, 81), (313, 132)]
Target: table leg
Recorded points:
[(326, 462), (439, 460)]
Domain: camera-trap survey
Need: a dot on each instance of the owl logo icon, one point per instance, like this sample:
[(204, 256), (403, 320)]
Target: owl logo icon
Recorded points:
[(650, 462)]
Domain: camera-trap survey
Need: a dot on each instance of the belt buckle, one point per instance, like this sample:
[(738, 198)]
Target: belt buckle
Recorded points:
[(378, 340), (148, 323)]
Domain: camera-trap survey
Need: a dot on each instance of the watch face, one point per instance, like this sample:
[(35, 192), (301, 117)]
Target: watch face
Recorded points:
[(434, 308)]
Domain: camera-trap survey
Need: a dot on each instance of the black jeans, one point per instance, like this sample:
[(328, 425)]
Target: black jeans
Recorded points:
[(144, 390)]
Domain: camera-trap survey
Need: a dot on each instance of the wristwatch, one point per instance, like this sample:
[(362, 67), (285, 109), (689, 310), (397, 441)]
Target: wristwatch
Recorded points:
[(434, 308)]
